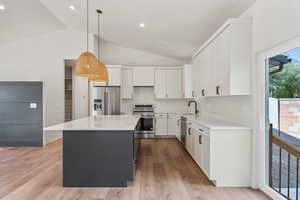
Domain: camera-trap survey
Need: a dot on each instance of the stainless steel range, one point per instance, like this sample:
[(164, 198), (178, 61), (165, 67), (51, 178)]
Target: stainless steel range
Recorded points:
[(146, 126)]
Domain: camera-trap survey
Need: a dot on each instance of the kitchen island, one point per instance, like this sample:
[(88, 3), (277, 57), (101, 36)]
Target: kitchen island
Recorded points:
[(99, 151)]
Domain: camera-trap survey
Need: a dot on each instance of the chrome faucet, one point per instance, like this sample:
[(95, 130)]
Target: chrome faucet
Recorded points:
[(196, 106)]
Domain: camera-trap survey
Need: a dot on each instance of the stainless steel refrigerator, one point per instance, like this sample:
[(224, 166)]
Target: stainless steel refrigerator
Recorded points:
[(107, 100)]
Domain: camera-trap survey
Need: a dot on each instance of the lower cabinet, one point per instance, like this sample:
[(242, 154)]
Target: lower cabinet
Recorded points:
[(224, 155), (167, 124), (161, 124)]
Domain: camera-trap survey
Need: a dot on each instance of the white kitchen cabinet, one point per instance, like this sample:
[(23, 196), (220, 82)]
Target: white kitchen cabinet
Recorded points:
[(114, 76), (173, 125), (174, 84), (160, 88), (221, 64), (223, 153), (221, 67), (143, 76), (192, 142), (188, 139), (202, 149), (198, 157), (168, 83), (127, 83), (167, 124), (197, 79), (202, 73), (208, 87), (161, 124), (188, 90), (205, 153)]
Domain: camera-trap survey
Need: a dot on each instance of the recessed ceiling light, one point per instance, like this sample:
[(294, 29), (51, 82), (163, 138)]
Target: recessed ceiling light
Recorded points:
[(72, 7), (2, 7), (142, 25)]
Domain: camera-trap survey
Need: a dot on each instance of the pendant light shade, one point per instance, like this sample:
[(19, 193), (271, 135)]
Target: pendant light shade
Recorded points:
[(103, 75), (87, 64)]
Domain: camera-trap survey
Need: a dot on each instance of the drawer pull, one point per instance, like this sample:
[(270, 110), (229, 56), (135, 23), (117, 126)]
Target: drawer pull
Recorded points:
[(200, 139)]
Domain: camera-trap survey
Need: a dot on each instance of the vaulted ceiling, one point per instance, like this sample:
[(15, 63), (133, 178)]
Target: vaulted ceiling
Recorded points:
[(27, 18), (173, 28)]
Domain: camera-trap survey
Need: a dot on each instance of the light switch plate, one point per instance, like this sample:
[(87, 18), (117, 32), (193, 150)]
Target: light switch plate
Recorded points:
[(33, 105)]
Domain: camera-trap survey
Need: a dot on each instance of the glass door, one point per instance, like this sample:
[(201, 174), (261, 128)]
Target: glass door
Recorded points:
[(283, 127)]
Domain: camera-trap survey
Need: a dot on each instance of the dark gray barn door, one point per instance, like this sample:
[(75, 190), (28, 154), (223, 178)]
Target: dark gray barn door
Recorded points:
[(21, 114)]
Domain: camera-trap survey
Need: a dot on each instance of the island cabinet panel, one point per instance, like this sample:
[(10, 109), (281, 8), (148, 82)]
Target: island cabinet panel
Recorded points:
[(98, 158)]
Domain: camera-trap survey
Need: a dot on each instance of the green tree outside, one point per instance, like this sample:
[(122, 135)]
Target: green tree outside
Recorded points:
[(286, 84)]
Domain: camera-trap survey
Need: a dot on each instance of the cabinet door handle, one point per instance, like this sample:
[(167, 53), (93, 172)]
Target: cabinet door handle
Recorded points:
[(203, 92), (201, 130), (218, 90), (200, 139), (189, 131), (193, 93)]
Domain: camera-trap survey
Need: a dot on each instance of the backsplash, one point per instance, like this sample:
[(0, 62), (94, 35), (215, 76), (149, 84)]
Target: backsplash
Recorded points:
[(145, 95), (232, 108)]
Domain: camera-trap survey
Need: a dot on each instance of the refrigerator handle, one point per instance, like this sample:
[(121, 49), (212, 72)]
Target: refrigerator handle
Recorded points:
[(105, 102)]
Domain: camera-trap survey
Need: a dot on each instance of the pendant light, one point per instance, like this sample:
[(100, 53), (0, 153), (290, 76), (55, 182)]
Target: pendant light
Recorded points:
[(103, 76), (87, 63)]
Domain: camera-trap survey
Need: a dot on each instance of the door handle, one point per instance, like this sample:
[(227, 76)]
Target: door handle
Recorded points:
[(189, 131), (200, 139), (203, 92), (218, 90)]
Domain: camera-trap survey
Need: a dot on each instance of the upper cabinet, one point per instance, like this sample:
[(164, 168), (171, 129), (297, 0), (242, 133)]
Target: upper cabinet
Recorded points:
[(127, 83), (168, 83), (114, 76), (222, 66), (143, 76), (188, 92)]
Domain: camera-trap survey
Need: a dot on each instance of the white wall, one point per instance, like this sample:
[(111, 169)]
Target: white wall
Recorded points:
[(114, 54), (42, 58)]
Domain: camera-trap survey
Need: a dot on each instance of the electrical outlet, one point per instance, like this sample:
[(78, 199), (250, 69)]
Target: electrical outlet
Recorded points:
[(33, 105)]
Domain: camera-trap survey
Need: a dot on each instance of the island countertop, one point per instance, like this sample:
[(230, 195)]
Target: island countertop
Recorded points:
[(98, 123)]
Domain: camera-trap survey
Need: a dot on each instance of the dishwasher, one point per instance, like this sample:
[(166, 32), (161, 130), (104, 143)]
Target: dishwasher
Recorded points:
[(183, 128)]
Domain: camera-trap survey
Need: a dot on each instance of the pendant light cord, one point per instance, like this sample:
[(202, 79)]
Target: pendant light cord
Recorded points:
[(99, 38), (87, 25), (98, 35)]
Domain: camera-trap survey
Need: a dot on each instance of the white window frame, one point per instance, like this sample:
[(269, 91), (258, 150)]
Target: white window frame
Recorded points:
[(259, 100)]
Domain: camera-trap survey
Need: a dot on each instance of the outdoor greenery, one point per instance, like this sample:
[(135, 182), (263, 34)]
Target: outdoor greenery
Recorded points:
[(286, 84)]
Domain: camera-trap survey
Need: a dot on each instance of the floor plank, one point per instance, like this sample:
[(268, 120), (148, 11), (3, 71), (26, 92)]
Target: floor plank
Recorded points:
[(165, 172)]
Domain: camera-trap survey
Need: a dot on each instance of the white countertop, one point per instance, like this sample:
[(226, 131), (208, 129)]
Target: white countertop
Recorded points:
[(98, 123), (214, 123)]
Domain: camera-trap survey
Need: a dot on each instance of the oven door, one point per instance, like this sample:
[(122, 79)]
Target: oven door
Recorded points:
[(146, 127)]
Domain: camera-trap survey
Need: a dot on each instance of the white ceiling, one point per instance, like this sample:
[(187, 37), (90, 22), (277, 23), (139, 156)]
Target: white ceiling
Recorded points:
[(25, 19), (174, 28)]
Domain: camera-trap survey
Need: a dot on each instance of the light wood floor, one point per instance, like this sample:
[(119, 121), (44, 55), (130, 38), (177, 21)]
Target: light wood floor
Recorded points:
[(165, 171)]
